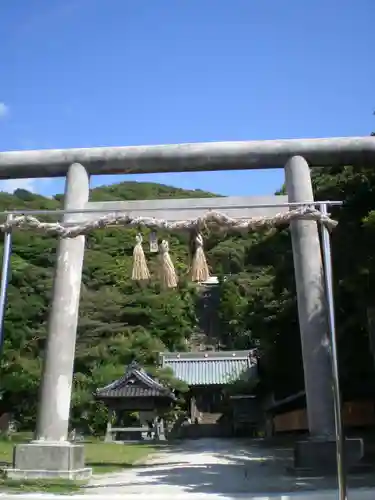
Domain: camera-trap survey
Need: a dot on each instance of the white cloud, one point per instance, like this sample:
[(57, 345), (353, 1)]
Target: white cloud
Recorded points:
[(4, 110), (10, 185)]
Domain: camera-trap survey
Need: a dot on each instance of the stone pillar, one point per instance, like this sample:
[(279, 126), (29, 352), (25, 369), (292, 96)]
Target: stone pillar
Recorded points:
[(162, 429), (308, 269), (317, 455), (108, 435), (193, 408), (53, 415), (51, 454)]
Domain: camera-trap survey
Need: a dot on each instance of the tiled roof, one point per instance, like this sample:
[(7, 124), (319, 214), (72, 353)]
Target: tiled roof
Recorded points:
[(211, 368), (134, 383)]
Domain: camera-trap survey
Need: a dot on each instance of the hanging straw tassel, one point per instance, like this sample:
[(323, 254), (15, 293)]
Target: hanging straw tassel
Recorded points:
[(199, 267), (167, 271), (140, 269)]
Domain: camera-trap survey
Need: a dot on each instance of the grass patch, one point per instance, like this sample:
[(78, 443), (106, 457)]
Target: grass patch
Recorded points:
[(109, 457), (101, 457), (6, 452), (40, 485)]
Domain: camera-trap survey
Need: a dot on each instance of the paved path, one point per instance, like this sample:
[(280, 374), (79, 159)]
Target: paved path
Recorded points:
[(214, 469)]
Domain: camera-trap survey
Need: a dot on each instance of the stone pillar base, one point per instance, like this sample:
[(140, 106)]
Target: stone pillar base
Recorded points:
[(45, 460), (319, 457)]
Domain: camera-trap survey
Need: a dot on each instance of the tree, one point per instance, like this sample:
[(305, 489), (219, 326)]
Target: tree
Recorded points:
[(121, 321)]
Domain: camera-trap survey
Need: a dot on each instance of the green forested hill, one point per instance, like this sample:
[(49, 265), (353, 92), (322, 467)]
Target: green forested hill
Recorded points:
[(120, 320)]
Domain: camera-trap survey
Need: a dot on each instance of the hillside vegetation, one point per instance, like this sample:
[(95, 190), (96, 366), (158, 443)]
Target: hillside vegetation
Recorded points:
[(120, 321)]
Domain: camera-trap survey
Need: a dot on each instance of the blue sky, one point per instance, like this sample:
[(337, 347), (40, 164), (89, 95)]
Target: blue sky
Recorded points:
[(81, 73)]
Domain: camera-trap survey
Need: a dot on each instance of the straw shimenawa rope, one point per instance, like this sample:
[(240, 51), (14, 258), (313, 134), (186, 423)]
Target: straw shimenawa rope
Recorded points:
[(140, 269), (210, 220), (168, 275), (199, 267)]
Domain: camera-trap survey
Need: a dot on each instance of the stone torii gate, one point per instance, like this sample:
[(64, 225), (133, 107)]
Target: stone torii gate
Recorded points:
[(51, 453)]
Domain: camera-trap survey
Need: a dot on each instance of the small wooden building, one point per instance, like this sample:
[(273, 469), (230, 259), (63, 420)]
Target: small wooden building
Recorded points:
[(207, 374), (136, 391)]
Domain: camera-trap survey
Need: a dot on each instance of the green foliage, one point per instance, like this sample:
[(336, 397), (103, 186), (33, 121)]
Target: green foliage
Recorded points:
[(258, 303), (121, 321)]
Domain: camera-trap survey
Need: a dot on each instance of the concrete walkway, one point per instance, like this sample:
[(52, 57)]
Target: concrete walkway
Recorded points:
[(215, 469), (220, 469)]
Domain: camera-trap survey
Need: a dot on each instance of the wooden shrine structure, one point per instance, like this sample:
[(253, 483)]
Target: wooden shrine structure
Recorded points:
[(135, 391), (208, 374)]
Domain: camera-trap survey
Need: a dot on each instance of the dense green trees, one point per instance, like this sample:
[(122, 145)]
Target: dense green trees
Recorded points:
[(260, 301), (120, 320)]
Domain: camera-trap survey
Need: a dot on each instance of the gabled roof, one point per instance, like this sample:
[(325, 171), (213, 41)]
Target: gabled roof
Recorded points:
[(210, 368), (134, 383)]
